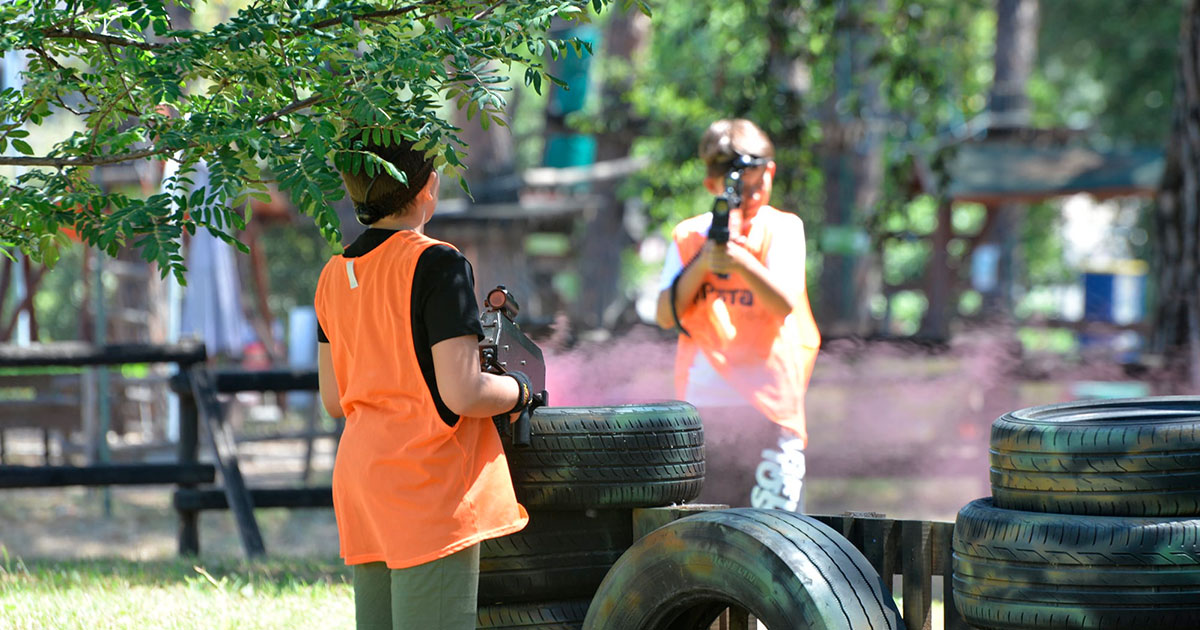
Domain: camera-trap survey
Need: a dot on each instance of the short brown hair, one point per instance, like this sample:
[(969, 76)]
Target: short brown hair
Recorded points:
[(728, 138), (380, 194)]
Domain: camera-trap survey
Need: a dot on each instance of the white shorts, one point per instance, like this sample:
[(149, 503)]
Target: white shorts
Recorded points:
[(779, 478)]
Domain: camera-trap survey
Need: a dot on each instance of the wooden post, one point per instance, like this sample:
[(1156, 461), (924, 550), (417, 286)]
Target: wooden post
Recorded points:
[(188, 450), (221, 439), (942, 535), (881, 547), (918, 569), (739, 619)]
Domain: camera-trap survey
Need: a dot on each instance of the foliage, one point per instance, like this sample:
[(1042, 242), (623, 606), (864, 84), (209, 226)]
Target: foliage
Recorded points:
[(927, 54), (1108, 66), (279, 93)]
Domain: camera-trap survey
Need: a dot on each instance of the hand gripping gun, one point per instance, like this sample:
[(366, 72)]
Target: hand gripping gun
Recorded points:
[(503, 348), (730, 198)]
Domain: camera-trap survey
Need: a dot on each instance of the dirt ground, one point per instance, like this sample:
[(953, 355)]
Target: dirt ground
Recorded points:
[(895, 429)]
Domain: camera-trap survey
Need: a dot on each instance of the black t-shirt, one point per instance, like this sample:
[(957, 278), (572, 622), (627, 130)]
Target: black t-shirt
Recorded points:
[(443, 304)]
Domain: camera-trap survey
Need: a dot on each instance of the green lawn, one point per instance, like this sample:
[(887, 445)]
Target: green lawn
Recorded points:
[(119, 594), (116, 594)]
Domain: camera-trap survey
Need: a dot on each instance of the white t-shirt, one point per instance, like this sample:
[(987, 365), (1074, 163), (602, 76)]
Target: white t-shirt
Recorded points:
[(706, 387)]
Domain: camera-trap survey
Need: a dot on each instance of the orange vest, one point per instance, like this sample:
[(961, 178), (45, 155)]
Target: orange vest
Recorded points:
[(407, 488), (768, 359)]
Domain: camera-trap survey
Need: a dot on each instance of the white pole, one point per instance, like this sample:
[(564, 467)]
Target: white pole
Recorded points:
[(11, 71)]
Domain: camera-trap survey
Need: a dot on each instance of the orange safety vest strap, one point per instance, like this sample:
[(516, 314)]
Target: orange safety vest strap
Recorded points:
[(767, 358)]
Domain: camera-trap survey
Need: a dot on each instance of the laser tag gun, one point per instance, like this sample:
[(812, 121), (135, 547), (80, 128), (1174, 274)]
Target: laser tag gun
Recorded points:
[(730, 198), (505, 348)]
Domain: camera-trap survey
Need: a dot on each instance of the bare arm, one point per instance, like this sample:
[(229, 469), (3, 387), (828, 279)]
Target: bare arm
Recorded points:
[(465, 389), (764, 283), (689, 283), (327, 382)]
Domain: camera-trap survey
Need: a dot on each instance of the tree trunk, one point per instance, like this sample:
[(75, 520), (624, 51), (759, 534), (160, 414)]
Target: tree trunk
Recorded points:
[(1016, 50), (1177, 219), (851, 156), (604, 235), (491, 162)]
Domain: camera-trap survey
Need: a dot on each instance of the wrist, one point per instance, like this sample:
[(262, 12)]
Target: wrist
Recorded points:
[(524, 391)]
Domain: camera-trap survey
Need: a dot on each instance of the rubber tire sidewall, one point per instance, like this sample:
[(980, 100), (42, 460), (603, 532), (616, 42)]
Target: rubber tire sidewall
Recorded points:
[(1128, 457), (626, 456), (1018, 570), (786, 569), (567, 615), (560, 555)]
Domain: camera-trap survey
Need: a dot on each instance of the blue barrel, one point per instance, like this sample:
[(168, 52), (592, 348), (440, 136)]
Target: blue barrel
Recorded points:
[(1115, 294)]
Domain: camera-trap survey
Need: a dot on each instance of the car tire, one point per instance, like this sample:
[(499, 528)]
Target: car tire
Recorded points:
[(1131, 457), (785, 569), (1018, 570), (537, 616), (626, 456), (558, 556)]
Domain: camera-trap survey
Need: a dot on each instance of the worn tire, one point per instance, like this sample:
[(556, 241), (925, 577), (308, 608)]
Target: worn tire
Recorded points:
[(786, 569), (558, 556), (1034, 571), (551, 616), (610, 457), (1132, 457)]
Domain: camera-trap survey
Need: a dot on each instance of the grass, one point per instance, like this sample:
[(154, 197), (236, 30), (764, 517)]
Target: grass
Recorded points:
[(178, 594), (118, 594)]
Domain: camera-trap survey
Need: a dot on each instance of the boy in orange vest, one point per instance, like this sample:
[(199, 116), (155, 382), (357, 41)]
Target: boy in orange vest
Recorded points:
[(420, 477), (747, 339)]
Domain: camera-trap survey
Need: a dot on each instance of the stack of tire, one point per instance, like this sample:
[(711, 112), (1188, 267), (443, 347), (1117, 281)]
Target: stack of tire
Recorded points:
[(585, 471), (1094, 520)]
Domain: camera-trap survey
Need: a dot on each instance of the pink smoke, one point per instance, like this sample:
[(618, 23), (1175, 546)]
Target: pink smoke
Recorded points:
[(637, 367)]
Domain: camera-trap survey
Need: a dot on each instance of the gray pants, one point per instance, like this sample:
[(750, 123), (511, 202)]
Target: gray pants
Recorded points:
[(437, 595)]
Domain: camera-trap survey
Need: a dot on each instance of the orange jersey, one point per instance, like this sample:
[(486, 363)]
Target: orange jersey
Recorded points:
[(768, 359), (408, 488)]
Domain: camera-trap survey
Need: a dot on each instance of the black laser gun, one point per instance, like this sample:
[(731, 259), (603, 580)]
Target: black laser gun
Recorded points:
[(505, 348), (731, 197)]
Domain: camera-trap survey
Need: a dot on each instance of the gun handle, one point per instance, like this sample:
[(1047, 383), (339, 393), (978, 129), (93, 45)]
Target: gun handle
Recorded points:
[(521, 433)]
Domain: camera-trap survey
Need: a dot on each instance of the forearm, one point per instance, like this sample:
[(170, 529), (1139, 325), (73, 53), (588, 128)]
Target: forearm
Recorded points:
[(491, 395), (689, 283), (767, 288)]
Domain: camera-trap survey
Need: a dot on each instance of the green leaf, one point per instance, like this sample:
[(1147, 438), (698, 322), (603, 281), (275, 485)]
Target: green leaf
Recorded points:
[(22, 146)]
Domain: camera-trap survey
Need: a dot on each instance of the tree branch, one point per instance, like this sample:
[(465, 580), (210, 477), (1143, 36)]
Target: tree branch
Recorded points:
[(373, 14), (99, 38), (294, 107), (485, 12), (64, 162)]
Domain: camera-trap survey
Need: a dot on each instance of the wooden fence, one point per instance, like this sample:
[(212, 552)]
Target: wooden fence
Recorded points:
[(198, 403), (917, 551)]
